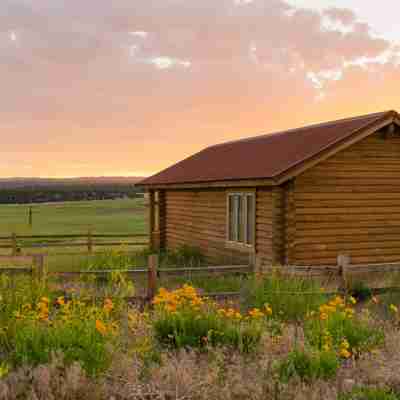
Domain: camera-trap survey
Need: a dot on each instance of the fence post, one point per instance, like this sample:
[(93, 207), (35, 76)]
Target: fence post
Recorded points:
[(257, 265), (343, 261), (14, 245), (38, 265), (89, 241), (152, 276)]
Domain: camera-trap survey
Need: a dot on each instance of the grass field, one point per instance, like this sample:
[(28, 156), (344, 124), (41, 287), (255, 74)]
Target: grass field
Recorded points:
[(124, 216), (102, 216)]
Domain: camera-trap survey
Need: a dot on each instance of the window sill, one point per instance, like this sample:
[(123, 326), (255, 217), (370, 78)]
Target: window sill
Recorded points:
[(245, 248)]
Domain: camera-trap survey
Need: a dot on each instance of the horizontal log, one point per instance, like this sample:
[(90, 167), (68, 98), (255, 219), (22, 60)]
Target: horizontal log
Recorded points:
[(361, 187), (347, 238), (338, 203), (356, 260), (371, 253), (346, 210), (389, 230), (350, 218), (343, 224), (325, 181), (349, 246), (346, 196)]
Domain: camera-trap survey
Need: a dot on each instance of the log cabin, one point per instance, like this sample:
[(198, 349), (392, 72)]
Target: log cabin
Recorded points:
[(299, 197)]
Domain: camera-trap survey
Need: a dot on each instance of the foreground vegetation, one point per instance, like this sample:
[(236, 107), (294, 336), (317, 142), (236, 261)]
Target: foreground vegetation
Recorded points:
[(83, 344)]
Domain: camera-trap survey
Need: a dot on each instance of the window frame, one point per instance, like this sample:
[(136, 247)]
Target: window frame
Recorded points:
[(244, 194)]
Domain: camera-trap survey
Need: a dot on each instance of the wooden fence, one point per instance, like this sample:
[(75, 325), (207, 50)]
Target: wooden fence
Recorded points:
[(153, 274), (17, 243), (32, 264)]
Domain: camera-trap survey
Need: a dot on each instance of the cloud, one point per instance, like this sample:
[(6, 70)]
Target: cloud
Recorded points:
[(101, 77), (342, 15)]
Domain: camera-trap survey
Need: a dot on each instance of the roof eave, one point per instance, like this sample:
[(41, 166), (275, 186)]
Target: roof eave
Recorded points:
[(288, 173), (335, 147), (250, 182)]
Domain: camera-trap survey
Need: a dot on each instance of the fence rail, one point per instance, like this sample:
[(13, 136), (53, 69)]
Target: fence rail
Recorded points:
[(16, 243), (34, 264)]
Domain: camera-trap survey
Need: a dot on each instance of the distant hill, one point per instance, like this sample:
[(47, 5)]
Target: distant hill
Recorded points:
[(14, 183), (39, 190)]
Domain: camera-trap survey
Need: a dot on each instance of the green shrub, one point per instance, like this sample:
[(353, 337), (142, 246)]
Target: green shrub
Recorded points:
[(360, 291), (35, 326), (184, 256), (339, 325), (120, 259), (183, 319), (35, 343), (308, 365), (369, 394), (281, 294)]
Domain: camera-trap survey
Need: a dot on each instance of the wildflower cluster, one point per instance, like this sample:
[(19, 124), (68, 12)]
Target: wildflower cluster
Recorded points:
[(79, 328), (184, 318), (335, 328), (334, 306), (172, 301)]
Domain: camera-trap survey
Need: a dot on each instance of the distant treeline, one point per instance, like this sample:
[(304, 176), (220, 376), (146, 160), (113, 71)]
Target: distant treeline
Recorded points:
[(47, 190)]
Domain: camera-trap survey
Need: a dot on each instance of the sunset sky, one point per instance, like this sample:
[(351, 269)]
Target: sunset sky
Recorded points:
[(128, 87)]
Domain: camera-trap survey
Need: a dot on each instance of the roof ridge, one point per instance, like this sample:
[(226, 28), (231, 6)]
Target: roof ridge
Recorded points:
[(316, 125)]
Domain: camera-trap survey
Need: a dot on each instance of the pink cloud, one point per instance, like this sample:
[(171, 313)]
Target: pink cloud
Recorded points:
[(74, 87)]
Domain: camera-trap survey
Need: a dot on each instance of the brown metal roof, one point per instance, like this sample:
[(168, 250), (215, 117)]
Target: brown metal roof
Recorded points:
[(265, 156)]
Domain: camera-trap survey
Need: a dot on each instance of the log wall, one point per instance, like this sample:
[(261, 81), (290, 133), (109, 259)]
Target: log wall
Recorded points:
[(199, 218), (350, 204)]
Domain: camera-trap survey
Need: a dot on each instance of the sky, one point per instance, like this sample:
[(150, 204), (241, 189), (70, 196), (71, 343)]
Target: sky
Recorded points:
[(129, 87)]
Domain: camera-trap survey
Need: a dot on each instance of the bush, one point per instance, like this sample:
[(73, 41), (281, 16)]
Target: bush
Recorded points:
[(280, 293), (36, 326), (308, 365), (360, 291), (117, 259), (183, 256), (336, 327), (183, 319), (369, 394)]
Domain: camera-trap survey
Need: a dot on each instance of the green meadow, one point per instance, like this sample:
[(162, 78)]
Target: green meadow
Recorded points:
[(125, 216), (122, 216)]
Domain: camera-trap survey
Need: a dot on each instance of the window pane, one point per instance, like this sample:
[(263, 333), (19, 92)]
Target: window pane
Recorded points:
[(231, 216), (250, 219), (241, 218)]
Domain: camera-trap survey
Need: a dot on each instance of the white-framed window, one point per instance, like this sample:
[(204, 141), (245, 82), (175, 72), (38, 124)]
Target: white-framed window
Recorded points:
[(241, 218)]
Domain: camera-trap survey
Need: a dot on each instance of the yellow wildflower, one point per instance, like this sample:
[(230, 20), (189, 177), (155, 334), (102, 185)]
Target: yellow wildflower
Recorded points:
[(268, 309), (352, 300), (349, 312), (101, 327), (255, 313), (344, 353), (238, 315), (61, 301), (17, 315), (345, 344), (393, 308), (108, 305), (323, 316)]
